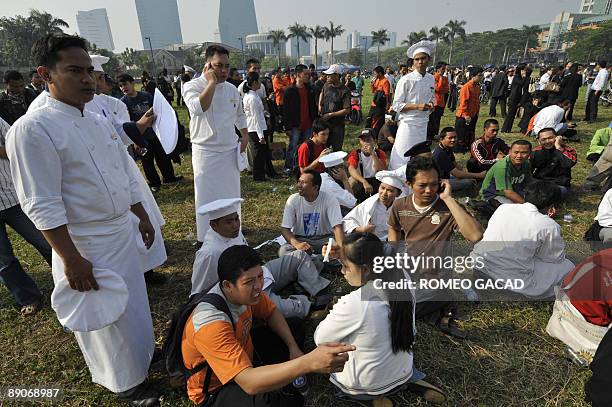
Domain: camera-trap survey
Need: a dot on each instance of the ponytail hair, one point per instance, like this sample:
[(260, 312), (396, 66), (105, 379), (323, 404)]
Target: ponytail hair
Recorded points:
[(361, 249), (251, 78)]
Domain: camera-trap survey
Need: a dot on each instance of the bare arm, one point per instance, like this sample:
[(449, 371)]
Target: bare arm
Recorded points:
[(339, 234), (3, 152), (468, 226), (144, 226), (292, 240), (460, 173), (394, 235), (513, 196), (278, 324)]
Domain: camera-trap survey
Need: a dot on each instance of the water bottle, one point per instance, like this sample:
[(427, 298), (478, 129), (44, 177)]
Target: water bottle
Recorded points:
[(568, 218), (301, 385)]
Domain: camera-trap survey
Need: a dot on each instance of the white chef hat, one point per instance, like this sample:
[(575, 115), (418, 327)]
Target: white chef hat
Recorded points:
[(97, 61), (387, 178), (91, 310), (425, 46), (220, 208), (189, 69), (335, 68), (333, 159)]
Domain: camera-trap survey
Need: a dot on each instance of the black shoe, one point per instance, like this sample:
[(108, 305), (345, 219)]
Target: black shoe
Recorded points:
[(321, 301), (154, 188), (151, 277), (140, 396), (174, 180)]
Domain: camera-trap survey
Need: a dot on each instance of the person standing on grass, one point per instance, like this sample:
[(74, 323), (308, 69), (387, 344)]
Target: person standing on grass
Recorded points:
[(499, 92), (334, 106), (467, 112), (441, 90), (72, 178), (215, 107), (256, 121), (516, 94), (138, 103), (413, 101), (17, 281), (16, 98), (600, 84), (381, 97)]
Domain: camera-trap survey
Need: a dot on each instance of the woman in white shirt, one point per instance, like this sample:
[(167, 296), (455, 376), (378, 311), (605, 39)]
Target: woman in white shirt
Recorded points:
[(382, 364), (256, 122)]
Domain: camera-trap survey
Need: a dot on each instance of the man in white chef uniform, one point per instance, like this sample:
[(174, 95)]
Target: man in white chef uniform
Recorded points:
[(115, 111), (278, 274), (372, 215), (414, 102), (72, 177), (215, 107)]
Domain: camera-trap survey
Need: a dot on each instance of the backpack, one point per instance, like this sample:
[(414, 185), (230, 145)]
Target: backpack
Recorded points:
[(171, 347)]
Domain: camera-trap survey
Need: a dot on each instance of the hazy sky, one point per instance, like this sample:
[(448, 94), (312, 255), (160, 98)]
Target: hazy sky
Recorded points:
[(199, 17)]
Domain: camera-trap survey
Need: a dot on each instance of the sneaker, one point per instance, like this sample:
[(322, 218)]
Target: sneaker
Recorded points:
[(151, 277), (140, 396), (154, 189)]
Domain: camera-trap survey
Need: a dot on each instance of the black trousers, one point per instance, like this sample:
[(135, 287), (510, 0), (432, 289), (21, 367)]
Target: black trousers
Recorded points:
[(502, 106), (336, 136), (474, 166), (433, 126), (590, 110), (156, 155), (570, 112), (509, 121), (260, 156), (465, 133), (269, 349)]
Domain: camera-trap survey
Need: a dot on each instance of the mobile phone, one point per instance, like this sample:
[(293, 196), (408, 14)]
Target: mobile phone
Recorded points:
[(441, 187)]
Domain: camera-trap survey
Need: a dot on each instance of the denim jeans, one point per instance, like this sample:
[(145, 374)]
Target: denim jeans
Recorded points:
[(296, 137), (21, 286)]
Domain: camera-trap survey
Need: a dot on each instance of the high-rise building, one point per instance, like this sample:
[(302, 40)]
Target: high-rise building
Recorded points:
[(95, 28), (237, 19), (159, 20), (595, 6), (304, 47)]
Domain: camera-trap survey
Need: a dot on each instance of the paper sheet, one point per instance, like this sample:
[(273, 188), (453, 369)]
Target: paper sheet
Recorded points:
[(166, 125)]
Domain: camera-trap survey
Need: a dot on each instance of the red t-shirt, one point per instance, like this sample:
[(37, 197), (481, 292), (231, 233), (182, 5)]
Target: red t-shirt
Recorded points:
[(304, 155), (305, 120)]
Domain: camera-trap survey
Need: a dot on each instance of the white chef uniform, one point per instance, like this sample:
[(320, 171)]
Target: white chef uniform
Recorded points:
[(214, 144), (71, 169)]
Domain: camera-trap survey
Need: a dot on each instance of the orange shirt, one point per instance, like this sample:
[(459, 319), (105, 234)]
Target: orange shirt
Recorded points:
[(381, 84), (228, 351), (441, 89), (279, 85), (469, 100)]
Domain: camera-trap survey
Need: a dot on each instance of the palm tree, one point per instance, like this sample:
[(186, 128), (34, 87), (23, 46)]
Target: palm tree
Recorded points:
[(437, 35), (455, 29), (414, 37), (530, 31), (379, 38), (332, 32), (318, 33), (299, 32), (279, 39), (44, 23)]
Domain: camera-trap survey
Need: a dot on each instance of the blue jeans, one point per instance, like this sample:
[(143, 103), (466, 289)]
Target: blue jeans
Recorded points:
[(296, 137), (21, 286)]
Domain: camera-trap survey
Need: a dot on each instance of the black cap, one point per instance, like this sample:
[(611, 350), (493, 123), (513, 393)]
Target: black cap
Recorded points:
[(422, 147), (367, 132)]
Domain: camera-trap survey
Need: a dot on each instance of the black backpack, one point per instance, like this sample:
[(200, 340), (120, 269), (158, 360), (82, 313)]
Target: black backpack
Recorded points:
[(171, 348)]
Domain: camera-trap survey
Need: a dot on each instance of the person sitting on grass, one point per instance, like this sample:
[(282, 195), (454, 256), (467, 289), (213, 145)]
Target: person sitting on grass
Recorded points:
[(312, 150), (488, 149), (426, 219), (553, 116), (604, 218), (523, 242), (505, 182), (444, 158), (310, 217), (371, 215), (553, 160), (279, 274), (600, 140), (335, 182), (232, 348), (381, 324), (363, 164)]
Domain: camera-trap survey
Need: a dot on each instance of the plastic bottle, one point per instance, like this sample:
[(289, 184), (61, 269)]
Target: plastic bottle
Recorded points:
[(568, 218), (301, 385)]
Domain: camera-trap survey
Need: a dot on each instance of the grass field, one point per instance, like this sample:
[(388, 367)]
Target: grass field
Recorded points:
[(508, 360)]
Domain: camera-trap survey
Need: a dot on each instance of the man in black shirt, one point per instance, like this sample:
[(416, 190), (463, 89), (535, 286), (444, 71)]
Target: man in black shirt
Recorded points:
[(334, 105), (553, 160), (138, 103), (16, 99), (444, 158), (499, 92)]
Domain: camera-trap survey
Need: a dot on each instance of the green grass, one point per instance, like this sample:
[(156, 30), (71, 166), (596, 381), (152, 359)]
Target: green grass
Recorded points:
[(508, 360)]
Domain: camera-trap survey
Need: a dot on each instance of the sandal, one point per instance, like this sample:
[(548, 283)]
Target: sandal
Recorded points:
[(31, 309), (428, 391)]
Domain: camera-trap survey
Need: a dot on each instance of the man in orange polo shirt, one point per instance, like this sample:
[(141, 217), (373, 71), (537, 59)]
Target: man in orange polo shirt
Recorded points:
[(466, 115), (441, 89), (281, 81), (228, 345), (380, 101)]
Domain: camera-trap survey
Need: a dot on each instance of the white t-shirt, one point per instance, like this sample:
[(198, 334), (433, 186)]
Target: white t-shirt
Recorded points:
[(604, 212), (311, 218), (367, 164)]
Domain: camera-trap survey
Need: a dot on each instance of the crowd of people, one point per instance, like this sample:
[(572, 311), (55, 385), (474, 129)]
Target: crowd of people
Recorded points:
[(71, 187)]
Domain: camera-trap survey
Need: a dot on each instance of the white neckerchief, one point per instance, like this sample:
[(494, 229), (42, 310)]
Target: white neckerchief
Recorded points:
[(424, 209)]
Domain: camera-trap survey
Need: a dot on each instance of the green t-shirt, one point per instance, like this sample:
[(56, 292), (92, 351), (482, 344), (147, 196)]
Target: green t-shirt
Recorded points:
[(503, 175), (358, 81)]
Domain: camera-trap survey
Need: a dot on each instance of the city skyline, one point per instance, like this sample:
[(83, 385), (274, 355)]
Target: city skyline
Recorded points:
[(199, 18), (159, 23)]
